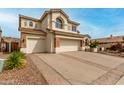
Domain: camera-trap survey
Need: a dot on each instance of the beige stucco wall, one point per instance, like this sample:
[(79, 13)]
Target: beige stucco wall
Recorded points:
[(66, 37), (59, 15), (47, 21), (65, 22), (27, 21), (44, 23), (70, 26), (50, 42)]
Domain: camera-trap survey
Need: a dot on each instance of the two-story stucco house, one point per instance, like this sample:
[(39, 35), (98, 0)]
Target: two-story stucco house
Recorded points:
[(54, 32)]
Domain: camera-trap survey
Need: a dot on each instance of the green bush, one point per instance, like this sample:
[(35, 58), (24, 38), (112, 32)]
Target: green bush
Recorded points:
[(21, 54), (15, 60), (94, 44)]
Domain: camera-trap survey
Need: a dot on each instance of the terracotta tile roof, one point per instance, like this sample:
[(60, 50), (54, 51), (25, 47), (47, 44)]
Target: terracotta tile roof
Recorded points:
[(10, 39), (68, 33), (28, 17), (32, 31), (113, 39)]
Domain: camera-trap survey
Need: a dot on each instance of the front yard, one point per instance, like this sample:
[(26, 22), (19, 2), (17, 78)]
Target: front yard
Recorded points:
[(27, 75), (112, 53)]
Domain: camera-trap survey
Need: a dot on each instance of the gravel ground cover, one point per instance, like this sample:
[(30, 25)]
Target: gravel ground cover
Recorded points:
[(3, 55), (113, 54), (29, 75)]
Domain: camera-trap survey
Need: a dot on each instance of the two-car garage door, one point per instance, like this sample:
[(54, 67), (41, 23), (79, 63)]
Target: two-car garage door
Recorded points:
[(68, 45), (35, 45)]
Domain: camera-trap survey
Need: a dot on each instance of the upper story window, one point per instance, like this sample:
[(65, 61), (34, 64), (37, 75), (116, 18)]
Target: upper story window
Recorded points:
[(31, 24), (74, 28), (25, 23), (36, 26), (59, 23)]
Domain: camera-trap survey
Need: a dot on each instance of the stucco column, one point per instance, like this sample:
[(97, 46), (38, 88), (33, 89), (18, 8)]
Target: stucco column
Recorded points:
[(23, 40), (9, 46), (80, 45), (23, 43), (57, 42)]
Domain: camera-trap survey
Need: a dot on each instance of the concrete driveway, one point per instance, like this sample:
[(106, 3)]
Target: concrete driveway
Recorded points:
[(79, 68)]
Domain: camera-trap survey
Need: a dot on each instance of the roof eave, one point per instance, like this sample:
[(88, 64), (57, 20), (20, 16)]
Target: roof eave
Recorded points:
[(27, 17)]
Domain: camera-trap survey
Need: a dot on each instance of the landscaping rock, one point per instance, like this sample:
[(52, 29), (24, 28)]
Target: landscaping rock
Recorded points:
[(28, 75)]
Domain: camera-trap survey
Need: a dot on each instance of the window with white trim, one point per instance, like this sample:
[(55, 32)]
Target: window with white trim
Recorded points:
[(74, 28), (31, 24)]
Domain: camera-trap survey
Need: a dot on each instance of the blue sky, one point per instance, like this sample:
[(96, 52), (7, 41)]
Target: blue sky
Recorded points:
[(97, 22)]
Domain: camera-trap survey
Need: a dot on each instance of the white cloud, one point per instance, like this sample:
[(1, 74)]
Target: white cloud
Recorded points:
[(8, 18)]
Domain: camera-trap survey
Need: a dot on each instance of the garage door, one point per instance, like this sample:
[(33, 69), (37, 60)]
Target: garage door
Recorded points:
[(69, 45), (35, 45)]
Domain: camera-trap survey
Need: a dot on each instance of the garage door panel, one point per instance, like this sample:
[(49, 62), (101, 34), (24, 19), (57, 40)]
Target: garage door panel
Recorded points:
[(35, 45), (69, 45)]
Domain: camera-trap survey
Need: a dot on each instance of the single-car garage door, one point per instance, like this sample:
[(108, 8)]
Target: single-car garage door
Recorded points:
[(35, 45), (69, 45)]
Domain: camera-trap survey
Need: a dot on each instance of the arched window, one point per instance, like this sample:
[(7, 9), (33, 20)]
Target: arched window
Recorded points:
[(59, 23)]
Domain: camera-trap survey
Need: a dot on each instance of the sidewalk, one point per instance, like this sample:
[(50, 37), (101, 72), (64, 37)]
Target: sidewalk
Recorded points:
[(121, 81)]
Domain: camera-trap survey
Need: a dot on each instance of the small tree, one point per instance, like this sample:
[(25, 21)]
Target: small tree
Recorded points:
[(94, 44)]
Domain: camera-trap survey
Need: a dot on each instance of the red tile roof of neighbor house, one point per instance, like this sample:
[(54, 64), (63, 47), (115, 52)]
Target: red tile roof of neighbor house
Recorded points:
[(112, 39), (10, 39)]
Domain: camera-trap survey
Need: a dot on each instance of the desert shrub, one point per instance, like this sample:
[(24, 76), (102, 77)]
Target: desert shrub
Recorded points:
[(122, 49), (21, 54), (15, 60), (94, 44), (116, 47)]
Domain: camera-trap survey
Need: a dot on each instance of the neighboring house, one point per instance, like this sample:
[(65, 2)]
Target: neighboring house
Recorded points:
[(9, 44), (109, 41), (0, 37), (54, 32)]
